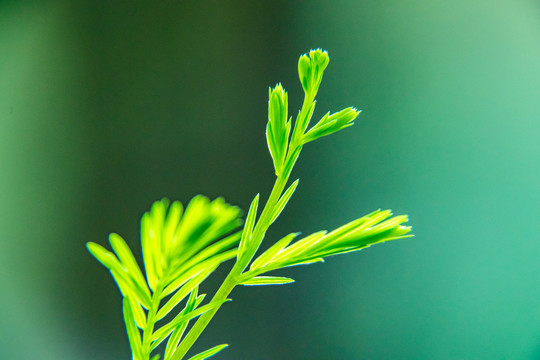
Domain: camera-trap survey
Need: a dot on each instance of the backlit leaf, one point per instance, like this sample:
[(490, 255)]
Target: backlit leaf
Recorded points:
[(267, 280), (206, 354)]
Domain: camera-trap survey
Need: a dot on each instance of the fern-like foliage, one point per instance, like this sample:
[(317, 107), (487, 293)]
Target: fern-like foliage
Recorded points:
[(181, 248)]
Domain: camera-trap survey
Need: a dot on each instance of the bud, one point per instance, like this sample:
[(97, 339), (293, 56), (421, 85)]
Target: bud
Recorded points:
[(278, 128), (331, 123), (277, 105), (310, 70)]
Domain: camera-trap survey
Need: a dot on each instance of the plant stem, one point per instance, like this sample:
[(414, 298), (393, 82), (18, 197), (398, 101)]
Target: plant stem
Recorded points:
[(232, 279)]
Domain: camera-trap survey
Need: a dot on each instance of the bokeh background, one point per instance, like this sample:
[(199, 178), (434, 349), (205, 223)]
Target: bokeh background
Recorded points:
[(108, 106)]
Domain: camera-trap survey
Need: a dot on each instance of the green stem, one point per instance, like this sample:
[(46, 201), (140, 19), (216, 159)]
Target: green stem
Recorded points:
[(232, 279)]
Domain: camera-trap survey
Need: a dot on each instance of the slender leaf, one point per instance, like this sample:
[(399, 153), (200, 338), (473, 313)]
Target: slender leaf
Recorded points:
[(148, 237), (170, 227), (133, 334), (183, 292), (188, 272), (203, 255), (248, 229), (210, 352), (138, 313), (267, 280), (300, 246), (129, 288), (125, 282), (291, 159), (105, 257), (265, 257), (165, 330), (177, 333), (128, 261), (284, 200)]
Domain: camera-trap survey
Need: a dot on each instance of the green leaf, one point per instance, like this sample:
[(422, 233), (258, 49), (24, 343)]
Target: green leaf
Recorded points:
[(128, 261), (165, 330), (267, 280), (138, 313), (210, 352), (155, 357), (371, 229), (284, 200), (302, 121), (177, 333), (304, 71), (291, 159), (129, 289), (208, 252), (245, 245), (183, 292), (265, 257), (330, 124), (123, 279), (105, 257), (278, 128), (170, 226), (296, 249), (133, 334), (185, 273), (150, 249)]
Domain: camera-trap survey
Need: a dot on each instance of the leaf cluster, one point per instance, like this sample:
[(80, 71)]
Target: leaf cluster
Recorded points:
[(181, 248)]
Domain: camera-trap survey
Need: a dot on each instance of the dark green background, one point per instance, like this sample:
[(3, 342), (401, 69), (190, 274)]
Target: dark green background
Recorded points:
[(108, 106)]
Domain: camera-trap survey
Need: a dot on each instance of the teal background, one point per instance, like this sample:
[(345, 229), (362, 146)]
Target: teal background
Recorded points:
[(108, 106)]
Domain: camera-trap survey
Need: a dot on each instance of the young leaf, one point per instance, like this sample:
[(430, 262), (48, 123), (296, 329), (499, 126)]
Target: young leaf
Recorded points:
[(277, 129), (138, 313), (176, 336), (183, 292), (185, 273), (133, 334), (210, 252), (128, 261), (248, 229), (331, 124), (267, 280), (310, 70), (291, 159), (122, 278), (165, 330), (284, 200), (150, 256), (265, 257), (210, 352)]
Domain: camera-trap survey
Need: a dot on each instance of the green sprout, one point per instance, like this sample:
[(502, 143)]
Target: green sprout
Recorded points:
[(182, 247)]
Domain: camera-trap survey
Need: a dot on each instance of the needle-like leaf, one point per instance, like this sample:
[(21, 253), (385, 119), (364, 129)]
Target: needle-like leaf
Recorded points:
[(284, 200), (128, 261), (133, 334), (183, 292), (165, 330), (267, 280), (245, 241), (210, 352)]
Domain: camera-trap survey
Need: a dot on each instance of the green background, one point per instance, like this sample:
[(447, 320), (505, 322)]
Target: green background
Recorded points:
[(108, 106)]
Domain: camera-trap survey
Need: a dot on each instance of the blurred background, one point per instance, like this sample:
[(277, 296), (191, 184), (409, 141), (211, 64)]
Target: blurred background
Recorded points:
[(106, 107)]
